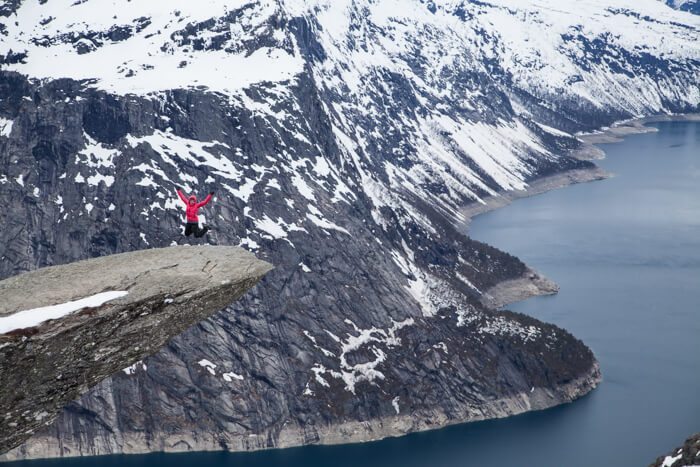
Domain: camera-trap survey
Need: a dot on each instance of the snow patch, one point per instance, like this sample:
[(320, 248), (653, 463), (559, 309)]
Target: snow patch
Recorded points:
[(151, 59), (34, 317), (210, 367), (670, 460), (373, 337), (395, 404), (499, 325), (131, 369), (317, 218), (230, 376), (5, 127), (97, 155)]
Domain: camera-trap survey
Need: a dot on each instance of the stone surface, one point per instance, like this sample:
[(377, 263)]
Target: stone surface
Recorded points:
[(530, 284), (43, 368)]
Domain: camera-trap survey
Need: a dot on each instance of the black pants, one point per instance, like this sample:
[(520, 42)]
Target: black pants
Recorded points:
[(193, 228)]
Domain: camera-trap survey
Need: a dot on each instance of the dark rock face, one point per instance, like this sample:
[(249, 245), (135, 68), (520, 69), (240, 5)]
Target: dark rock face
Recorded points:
[(691, 6), (686, 455), (45, 366), (349, 176)]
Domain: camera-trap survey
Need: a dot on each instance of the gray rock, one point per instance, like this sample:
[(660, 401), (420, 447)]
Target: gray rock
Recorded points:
[(686, 455), (44, 367), (530, 284)]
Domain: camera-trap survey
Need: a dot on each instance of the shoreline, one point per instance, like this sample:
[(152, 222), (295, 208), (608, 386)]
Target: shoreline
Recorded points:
[(589, 151), (617, 132), (532, 283), (350, 432), (536, 187)]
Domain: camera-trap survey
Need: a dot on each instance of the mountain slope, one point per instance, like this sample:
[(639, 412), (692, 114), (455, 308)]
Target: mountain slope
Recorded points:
[(343, 139)]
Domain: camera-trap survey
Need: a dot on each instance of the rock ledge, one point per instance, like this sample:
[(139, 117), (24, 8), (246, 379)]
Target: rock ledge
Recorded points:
[(42, 368)]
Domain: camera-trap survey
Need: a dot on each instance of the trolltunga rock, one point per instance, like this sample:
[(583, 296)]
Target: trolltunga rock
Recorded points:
[(152, 296)]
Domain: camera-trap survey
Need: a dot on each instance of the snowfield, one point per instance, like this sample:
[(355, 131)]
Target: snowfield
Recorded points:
[(135, 47), (148, 61)]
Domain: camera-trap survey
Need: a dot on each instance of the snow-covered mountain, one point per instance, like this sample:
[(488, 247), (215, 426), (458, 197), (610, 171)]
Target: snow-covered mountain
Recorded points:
[(343, 139)]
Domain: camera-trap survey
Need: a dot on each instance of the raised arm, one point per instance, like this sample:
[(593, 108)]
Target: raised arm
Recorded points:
[(181, 195), (206, 200)]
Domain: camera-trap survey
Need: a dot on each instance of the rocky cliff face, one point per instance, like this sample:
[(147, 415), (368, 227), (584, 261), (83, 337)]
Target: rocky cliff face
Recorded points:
[(686, 455), (159, 293), (343, 140), (691, 6)]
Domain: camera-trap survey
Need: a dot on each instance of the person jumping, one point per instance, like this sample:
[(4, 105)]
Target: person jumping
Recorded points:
[(192, 206)]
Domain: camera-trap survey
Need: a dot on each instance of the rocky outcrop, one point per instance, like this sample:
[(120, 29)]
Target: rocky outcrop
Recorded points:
[(530, 284), (691, 6), (165, 291), (686, 455)]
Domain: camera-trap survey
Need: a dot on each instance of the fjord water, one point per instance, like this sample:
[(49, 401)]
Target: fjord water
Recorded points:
[(626, 253)]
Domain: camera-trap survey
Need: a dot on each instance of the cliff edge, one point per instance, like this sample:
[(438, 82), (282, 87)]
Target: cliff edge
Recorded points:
[(104, 314)]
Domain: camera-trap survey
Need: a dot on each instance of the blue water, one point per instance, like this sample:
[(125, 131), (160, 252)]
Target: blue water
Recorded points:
[(626, 253)]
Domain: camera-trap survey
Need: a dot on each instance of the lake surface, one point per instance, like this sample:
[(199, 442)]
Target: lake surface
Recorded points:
[(626, 253)]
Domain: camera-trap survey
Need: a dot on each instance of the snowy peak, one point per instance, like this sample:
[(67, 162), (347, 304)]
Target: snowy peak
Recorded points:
[(132, 47), (138, 48)]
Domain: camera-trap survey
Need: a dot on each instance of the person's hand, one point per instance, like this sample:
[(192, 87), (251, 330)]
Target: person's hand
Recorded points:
[(211, 193)]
